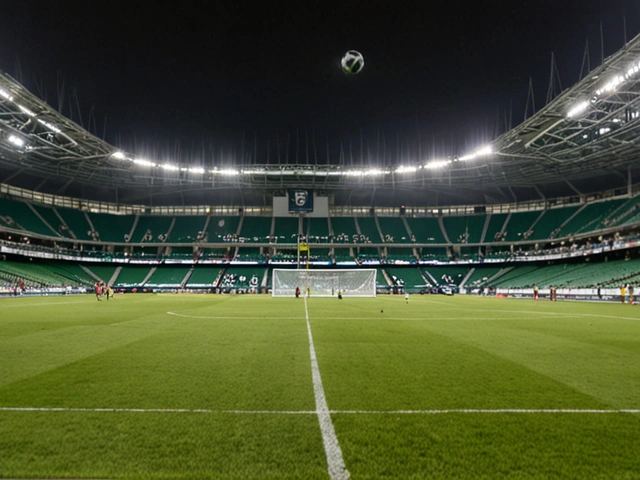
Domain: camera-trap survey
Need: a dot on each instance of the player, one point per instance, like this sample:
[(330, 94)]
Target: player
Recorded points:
[(297, 292), (406, 297), (98, 291), (630, 294), (623, 292), (308, 291), (339, 294), (535, 292), (107, 291)]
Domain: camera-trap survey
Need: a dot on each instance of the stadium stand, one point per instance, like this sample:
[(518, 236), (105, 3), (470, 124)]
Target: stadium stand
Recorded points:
[(44, 274), (23, 216), (446, 275), (169, 276), (394, 230), (222, 229), (151, 228), (244, 279), (410, 279), (316, 230), (256, 229), (500, 220), (285, 230), (519, 227), (78, 223), (52, 220), (204, 277), (368, 229), (112, 228), (426, 230), (133, 276), (465, 229), (345, 230), (549, 225), (187, 229), (495, 228), (591, 217)]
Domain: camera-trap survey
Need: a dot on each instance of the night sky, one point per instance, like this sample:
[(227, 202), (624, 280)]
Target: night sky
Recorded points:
[(189, 79)]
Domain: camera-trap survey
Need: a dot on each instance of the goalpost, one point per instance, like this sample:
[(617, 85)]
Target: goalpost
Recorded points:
[(324, 283)]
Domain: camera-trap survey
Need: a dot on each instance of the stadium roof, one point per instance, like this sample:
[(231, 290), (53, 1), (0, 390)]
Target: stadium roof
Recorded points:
[(584, 140)]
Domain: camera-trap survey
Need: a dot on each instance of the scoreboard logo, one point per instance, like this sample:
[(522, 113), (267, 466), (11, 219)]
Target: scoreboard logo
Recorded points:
[(300, 197), (300, 200)]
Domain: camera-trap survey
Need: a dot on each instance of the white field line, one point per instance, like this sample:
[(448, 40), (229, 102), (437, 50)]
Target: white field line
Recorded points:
[(45, 304), (335, 462), (585, 411), (448, 304), (553, 314), (374, 316), (235, 317), (371, 318)]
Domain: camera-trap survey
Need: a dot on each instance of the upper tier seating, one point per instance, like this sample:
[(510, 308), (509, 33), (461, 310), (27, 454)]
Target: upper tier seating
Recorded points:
[(368, 230), (519, 227), (151, 228), (187, 229), (316, 229), (69, 226), (19, 215), (112, 228), (255, 229), (286, 230), (591, 217), (394, 230), (77, 222), (344, 230), (426, 230), (222, 229), (466, 229)]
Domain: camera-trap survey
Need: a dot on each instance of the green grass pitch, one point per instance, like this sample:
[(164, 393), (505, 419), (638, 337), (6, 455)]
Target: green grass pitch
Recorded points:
[(171, 386)]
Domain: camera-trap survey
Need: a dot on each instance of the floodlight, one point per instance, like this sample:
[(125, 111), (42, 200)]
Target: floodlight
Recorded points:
[(26, 110), (5, 94), (437, 164), (578, 109), (226, 171), (406, 169), (17, 141), (144, 163), (49, 126)]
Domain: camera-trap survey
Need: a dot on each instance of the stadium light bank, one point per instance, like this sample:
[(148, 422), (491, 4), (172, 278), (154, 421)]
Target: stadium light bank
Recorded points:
[(30, 113), (610, 86), (297, 170)]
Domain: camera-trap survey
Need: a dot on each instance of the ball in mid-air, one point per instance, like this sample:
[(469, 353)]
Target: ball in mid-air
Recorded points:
[(352, 62)]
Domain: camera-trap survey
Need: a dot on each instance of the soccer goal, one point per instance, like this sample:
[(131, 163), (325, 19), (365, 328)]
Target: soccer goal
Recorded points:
[(324, 283)]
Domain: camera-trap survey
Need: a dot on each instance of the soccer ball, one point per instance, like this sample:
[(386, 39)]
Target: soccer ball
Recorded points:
[(352, 62)]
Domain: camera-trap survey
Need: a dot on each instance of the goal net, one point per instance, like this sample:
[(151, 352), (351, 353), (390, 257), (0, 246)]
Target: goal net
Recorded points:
[(324, 283)]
